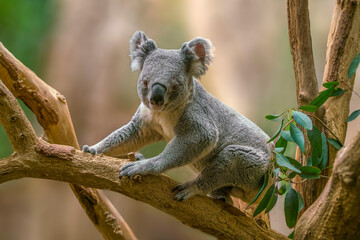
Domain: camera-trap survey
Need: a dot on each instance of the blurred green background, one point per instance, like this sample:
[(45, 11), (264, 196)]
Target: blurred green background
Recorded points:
[(81, 49)]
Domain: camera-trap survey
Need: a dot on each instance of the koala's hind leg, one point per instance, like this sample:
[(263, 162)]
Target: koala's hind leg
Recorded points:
[(238, 166), (222, 194)]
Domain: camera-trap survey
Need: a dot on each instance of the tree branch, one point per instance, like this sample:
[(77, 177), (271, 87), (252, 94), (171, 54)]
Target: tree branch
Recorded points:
[(64, 163), (335, 214), (306, 85), (52, 113)]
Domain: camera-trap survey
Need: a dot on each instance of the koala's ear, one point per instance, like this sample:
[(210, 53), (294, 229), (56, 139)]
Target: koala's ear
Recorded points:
[(197, 55), (140, 48)]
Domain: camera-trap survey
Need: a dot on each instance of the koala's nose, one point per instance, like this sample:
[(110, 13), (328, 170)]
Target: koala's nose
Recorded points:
[(157, 94)]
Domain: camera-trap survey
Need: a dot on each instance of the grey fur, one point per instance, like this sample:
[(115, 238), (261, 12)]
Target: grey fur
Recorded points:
[(228, 150)]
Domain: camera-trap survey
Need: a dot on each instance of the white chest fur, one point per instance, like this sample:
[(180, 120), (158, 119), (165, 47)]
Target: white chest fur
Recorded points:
[(162, 122)]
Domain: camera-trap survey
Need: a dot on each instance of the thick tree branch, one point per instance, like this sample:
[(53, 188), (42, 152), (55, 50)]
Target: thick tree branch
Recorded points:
[(306, 84), (64, 163), (52, 113), (335, 215)]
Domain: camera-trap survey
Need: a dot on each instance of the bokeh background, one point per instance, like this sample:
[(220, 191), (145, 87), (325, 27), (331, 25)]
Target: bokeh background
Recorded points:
[(81, 49)]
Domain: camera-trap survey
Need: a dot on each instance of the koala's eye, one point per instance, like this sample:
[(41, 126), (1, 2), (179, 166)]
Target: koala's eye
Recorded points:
[(145, 82), (174, 87)]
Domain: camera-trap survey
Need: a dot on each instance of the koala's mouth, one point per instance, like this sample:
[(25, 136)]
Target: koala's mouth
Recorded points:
[(157, 107)]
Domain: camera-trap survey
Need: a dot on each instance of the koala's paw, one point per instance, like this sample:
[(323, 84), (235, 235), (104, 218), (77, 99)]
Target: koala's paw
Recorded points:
[(136, 168), (185, 191), (88, 149)]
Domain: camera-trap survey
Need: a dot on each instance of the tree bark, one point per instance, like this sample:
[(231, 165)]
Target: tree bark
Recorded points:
[(343, 46), (53, 115), (335, 214)]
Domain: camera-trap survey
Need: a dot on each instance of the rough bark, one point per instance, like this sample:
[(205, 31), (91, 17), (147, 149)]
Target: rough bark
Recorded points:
[(53, 115), (306, 83), (335, 214), (343, 46), (63, 163)]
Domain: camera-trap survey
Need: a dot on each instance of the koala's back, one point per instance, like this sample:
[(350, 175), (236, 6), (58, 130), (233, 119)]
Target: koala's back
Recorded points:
[(232, 127)]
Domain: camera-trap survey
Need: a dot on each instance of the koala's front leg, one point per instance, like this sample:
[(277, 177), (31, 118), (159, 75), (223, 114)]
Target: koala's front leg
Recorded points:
[(181, 150), (129, 138)]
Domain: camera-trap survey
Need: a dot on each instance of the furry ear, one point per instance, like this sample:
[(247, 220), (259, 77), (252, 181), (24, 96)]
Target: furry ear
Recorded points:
[(197, 55), (140, 48)]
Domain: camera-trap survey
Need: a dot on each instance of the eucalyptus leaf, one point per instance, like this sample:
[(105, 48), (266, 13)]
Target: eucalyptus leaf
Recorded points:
[(338, 92), (298, 137), (282, 161), (286, 135), (265, 182), (335, 143), (316, 145), (272, 201), (279, 150), (353, 66), (324, 154), (277, 132), (291, 207), (303, 120), (309, 108), (330, 84), (281, 142), (294, 162), (309, 176), (310, 170), (353, 115), (265, 201), (284, 187), (301, 201), (273, 116), (323, 96), (291, 235)]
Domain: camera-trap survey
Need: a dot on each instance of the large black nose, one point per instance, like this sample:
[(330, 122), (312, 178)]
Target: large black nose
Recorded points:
[(157, 94)]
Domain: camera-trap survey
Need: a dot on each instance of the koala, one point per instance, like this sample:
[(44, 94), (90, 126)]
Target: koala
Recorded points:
[(229, 151)]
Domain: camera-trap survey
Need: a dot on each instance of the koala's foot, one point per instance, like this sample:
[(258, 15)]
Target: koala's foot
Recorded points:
[(137, 168), (88, 149), (139, 156), (222, 194), (185, 191)]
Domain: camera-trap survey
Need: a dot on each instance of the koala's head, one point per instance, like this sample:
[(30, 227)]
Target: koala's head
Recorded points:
[(166, 77)]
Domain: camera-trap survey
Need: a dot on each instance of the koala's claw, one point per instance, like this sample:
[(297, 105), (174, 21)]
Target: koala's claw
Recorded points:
[(88, 149), (184, 191)]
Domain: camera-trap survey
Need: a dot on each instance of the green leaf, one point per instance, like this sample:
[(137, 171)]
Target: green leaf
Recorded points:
[(279, 150), (324, 150), (330, 84), (282, 161), (310, 170), (286, 135), (338, 92), (277, 132), (323, 96), (284, 187), (298, 137), (265, 182), (265, 201), (315, 141), (353, 115), (291, 207), (303, 120), (273, 116), (309, 108), (353, 66), (309, 176), (272, 201), (281, 142), (301, 201), (336, 144), (294, 162), (309, 161), (291, 235)]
